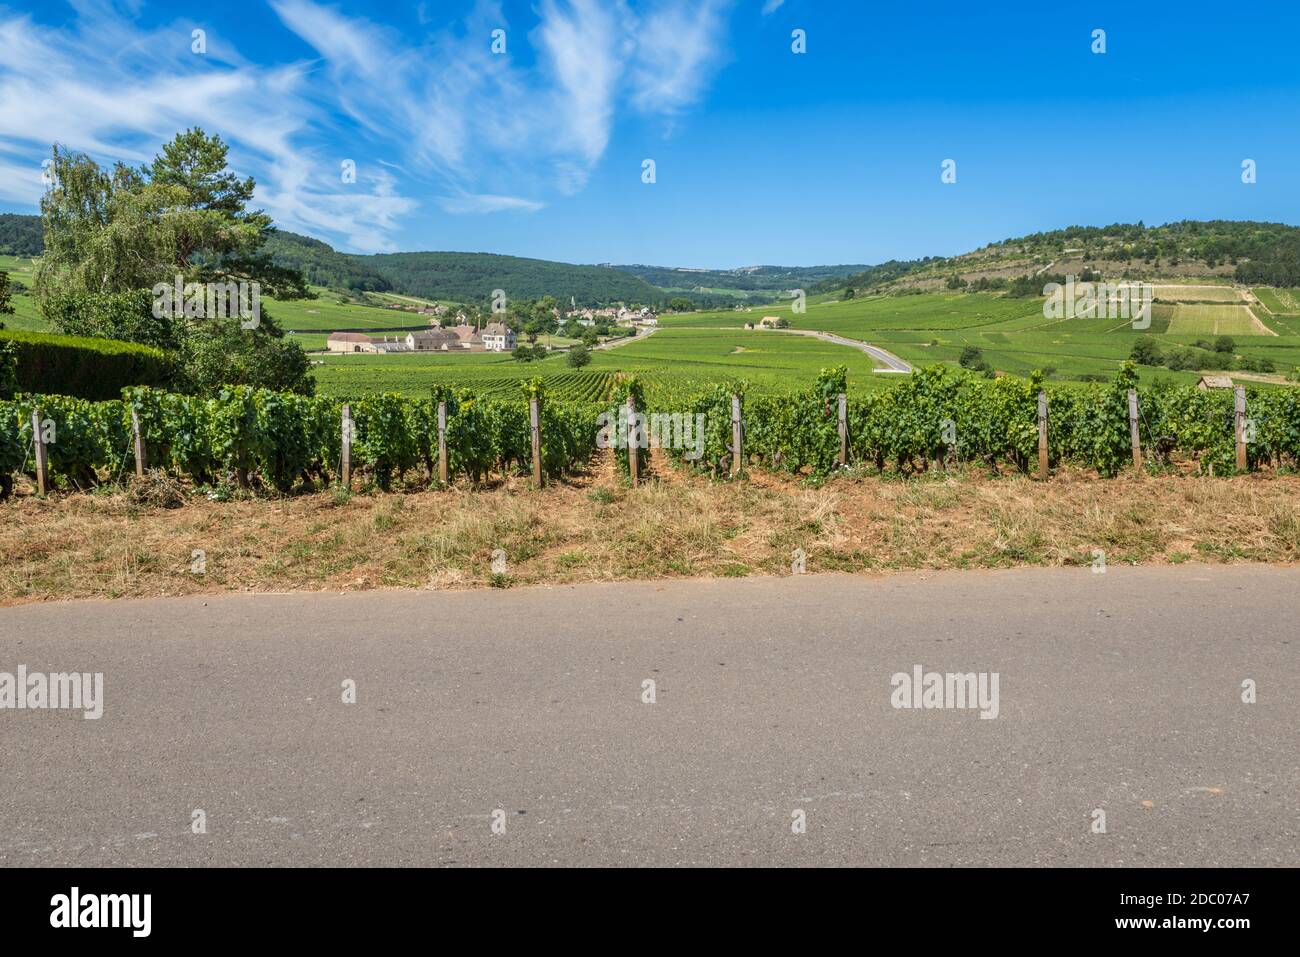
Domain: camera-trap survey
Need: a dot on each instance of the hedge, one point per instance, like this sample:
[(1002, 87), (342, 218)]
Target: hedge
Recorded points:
[(85, 368)]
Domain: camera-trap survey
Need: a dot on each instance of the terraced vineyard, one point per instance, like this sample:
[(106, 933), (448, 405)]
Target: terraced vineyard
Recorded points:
[(1282, 302), (1213, 320), (1197, 294), (1283, 306)]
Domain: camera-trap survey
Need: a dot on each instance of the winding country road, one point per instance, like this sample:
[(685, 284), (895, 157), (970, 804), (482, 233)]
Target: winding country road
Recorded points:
[(626, 340), (893, 364), (1119, 692)]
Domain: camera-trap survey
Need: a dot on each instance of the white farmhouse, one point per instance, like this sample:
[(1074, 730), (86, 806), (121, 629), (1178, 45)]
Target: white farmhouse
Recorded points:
[(498, 337)]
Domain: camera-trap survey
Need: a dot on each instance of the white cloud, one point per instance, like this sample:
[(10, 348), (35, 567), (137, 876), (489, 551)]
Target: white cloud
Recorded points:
[(474, 131), (487, 203), (510, 125), (678, 48), (110, 89), (771, 6)]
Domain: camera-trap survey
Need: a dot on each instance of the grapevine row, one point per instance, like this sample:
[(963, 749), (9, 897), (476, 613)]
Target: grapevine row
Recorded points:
[(283, 441)]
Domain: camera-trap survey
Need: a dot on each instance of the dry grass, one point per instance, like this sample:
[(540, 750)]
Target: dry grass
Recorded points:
[(597, 529)]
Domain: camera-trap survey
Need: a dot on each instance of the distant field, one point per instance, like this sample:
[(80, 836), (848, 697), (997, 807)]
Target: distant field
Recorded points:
[(327, 315), (25, 317), (1282, 302), (1197, 293), (672, 362), (1212, 320), (696, 349)]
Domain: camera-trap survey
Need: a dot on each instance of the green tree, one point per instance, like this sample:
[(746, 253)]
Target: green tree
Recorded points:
[(228, 355), (1146, 351), (125, 229), (5, 307), (106, 231), (579, 356), (1225, 345), (113, 236)]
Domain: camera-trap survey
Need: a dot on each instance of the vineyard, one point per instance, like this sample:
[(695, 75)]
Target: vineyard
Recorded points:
[(934, 418), (671, 363)]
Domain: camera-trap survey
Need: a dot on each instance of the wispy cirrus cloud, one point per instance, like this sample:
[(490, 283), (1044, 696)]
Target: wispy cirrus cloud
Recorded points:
[(506, 125), (486, 203), (106, 87), (433, 116)]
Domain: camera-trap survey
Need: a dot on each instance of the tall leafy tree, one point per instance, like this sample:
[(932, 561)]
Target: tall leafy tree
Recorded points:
[(112, 235), (216, 236)]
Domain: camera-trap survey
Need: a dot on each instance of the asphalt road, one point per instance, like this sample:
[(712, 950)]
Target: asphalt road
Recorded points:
[(892, 362), (1117, 691)]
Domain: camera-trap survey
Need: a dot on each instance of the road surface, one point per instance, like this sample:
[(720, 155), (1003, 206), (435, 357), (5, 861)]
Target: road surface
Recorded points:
[(1119, 692), (642, 336), (893, 364)]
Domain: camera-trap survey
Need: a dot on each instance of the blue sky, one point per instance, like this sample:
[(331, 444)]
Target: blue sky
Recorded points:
[(761, 155)]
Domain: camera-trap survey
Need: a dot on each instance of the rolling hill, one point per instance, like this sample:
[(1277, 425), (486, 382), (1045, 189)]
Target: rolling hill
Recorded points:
[(771, 279), (20, 235), (471, 277), (1245, 252)]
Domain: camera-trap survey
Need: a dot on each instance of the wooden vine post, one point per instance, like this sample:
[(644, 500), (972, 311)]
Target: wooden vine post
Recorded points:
[(1042, 434), (443, 470), (139, 445), (535, 427), (1135, 438), (736, 432), (39, 446), (1239, 417), (844, 429), (347, 446), (633, 447)]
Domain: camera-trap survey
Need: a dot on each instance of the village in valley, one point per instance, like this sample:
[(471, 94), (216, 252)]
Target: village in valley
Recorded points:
[(466, 331)]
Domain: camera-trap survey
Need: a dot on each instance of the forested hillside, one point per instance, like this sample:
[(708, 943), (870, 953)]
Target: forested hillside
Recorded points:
[(471, 277), (20, 235), (1247, 252), (774, 279), (322, 265)]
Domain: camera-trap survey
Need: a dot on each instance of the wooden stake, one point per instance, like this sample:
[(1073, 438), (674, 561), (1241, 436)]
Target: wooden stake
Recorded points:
[(1239, 408), (139, 445), (443, 469), (844, 429), (535, 422), (41, 477), (347, 446), (633, 447), (736, 458), (1135, 438), (1042, 435)]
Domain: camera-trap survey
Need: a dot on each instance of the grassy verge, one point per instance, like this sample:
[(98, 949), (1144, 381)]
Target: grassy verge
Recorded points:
[(597, 529)]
